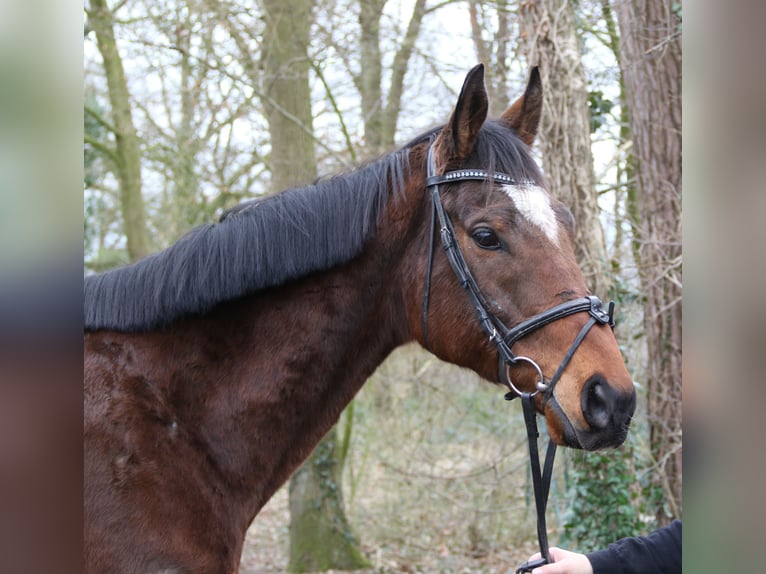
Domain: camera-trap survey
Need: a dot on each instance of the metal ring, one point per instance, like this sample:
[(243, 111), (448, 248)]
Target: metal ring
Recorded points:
[(540, 386)]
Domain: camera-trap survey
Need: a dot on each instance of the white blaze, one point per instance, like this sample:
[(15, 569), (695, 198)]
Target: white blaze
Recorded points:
[(534, 204)]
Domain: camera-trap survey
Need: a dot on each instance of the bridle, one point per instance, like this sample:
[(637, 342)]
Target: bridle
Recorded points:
[(503, 337)]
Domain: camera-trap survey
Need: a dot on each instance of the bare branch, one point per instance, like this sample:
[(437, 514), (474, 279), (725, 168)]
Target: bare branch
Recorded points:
[(101, 147), (338, 113), (398, 71), (91, 111)]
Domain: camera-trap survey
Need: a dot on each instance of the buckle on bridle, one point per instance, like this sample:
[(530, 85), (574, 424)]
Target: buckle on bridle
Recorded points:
[(605, 317)]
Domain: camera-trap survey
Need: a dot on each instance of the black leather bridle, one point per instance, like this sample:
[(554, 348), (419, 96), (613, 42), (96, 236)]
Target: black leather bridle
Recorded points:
[(503, 337)]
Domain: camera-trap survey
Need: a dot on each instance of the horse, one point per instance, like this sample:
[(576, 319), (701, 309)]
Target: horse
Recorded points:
[(214, 367)]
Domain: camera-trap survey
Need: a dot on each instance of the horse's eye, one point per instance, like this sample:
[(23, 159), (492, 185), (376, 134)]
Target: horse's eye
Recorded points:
[(485, 238)]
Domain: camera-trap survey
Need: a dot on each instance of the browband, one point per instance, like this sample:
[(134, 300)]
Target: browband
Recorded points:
[(476, 174)]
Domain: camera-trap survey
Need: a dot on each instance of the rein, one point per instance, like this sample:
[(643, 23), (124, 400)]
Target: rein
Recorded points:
[(503, 337)]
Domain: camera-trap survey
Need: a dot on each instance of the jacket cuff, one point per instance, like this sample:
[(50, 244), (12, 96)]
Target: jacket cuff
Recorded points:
[(603, 561)]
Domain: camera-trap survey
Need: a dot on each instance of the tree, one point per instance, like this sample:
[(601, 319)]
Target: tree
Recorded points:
[(650, 42), (285, 91), (493, 49), (183, 204), (194, 98), (380, 119), (126, 153), (320, 535), (599, 484), (549, 30)]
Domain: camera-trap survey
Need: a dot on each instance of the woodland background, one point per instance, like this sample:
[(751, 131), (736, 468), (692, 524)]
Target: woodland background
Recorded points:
[(192, 106)]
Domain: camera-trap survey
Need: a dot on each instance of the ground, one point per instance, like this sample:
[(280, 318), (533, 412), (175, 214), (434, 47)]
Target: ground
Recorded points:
[(265, 551)]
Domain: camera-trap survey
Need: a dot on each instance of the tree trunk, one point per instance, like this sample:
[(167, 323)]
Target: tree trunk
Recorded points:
[(496, 54), (127, 156), (320, 536), (370, 78), (650, 41), (380, 120), (185, 199), (549, 29), (287, 95), (398, 71)]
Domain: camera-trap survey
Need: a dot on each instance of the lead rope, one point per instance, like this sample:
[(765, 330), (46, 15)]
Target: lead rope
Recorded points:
[(504, 338), (541, 481)]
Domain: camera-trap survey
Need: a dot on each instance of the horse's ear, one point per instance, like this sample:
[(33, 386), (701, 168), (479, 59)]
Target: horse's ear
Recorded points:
[(524, 114), (457, 139)]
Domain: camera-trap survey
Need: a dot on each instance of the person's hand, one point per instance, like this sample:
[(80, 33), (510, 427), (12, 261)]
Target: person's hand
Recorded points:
[(564, 562)]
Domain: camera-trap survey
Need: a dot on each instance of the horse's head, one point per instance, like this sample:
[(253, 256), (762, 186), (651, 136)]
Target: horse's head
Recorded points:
[(517, 242)]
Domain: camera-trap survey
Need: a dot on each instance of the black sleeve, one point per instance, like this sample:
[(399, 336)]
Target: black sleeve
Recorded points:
[(658, 553)]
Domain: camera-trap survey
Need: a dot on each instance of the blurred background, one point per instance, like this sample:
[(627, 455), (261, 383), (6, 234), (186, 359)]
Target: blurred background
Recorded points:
[(178, 105), (192, 106)]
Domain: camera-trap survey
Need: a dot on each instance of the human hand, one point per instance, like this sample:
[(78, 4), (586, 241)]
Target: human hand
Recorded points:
[(564, 562)]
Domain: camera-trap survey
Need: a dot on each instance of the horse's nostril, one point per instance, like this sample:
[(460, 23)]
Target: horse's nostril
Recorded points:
[(607, 410), (596, 403)]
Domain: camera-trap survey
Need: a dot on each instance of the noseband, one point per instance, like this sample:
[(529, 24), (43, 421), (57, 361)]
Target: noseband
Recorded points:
[(503, 337)]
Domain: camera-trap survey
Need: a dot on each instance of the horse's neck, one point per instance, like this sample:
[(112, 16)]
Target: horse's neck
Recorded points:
[(280, 367)]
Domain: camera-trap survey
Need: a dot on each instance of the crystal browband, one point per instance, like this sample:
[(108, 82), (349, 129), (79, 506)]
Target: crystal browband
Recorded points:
[(478, 174)]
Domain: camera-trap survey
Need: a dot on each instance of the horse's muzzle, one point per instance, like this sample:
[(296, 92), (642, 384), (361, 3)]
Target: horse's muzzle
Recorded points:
[(606, 411)]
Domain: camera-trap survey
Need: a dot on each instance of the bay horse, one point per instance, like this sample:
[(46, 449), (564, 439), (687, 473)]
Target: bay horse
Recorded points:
[(214, 367)]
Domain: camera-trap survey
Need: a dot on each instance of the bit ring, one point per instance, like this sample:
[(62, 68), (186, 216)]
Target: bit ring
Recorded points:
[(540, 385)]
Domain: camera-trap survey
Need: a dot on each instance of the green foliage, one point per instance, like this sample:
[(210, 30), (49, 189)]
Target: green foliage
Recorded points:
[(604, 489), (91, 206), (599, 107), (94, 129), (677, 11), (655, 501), (604, 495)]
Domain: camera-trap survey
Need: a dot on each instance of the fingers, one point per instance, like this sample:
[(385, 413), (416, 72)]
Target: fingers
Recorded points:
[(555, 568), (556, 554), (564, 562)]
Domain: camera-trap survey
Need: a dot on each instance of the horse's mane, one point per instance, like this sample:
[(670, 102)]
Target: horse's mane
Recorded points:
[(269, 241)]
